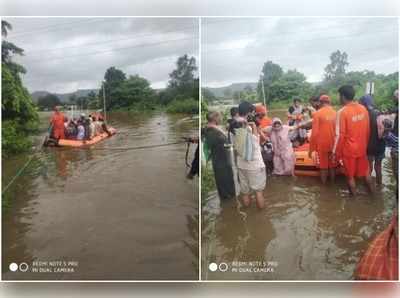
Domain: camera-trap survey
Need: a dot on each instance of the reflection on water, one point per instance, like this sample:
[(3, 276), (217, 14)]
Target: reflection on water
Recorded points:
[(311, 231), (120, 214)]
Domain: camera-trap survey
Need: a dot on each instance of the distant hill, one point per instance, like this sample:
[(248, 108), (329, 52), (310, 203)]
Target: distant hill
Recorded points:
[(220, 91), (64, 97)]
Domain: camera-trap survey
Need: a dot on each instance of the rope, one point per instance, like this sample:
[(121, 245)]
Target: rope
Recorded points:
[(187, 155), (133, 148), (19, 173), (21, 170)]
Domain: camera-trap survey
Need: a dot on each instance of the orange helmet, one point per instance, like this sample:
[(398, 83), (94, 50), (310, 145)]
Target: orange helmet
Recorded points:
[(261, 109)]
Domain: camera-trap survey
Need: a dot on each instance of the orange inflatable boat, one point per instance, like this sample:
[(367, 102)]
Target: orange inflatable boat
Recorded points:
[(306, 166), (77, 143)]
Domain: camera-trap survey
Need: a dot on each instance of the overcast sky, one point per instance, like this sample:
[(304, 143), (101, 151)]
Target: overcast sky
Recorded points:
[(66, 54), (234, 50), (200, 7)]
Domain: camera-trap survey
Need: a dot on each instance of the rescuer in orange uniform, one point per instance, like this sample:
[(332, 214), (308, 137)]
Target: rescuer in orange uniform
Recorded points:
[(323, 138), (263, 121), (57, 122), (352, 135), (261, 112)]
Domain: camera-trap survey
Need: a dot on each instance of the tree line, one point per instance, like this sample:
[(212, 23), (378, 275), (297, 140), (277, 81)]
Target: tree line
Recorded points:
[(134, 93), (281, 86), (19, 114), (20, 118)]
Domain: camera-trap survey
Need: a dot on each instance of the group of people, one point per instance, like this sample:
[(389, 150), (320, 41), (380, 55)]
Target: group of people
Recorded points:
[(83, 128), (352, 139)]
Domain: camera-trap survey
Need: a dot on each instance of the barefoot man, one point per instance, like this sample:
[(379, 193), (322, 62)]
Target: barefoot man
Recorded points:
[(352, 135)]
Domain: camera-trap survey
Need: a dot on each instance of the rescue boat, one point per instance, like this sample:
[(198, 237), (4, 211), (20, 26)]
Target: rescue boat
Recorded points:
[(83, 143), (306, 166)]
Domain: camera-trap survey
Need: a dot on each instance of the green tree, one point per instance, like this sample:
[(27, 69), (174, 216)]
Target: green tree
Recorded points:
[(182, 78), (136, 91), (48, 102), (336, 69), (113, 79), (93, 100), (271, 73), (19, 115), (183, 83), (207, 95)]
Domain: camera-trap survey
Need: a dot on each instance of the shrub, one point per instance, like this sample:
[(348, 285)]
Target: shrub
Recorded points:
[(14, 139), (186, 106)]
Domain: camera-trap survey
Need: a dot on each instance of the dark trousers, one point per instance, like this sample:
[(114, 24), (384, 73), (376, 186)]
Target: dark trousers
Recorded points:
[(194, 169)]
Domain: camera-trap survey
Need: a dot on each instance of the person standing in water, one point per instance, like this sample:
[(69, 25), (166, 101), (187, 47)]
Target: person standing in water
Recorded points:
[(215, 140), (284, 158), (323, 137), (376, 146), (351, 139), (194, 167), (251, 167), (57, 123)]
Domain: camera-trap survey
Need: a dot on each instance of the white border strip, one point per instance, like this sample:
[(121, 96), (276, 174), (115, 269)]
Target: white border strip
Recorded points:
[(200, 230)]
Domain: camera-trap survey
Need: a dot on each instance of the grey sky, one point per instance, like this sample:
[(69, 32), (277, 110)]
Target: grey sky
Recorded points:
[(234, 50), (66, 54), (200, 7)]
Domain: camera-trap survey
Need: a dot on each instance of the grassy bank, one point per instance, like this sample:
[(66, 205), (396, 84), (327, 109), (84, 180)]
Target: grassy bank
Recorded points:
[(186, 106), (207, 182)]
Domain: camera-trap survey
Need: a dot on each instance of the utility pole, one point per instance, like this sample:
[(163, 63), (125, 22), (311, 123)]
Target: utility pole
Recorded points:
[(263, 91), (104, 100), (370, 88)]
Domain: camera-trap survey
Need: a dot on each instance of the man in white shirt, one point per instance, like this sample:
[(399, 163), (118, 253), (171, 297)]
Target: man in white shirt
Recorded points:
[(251, 167)]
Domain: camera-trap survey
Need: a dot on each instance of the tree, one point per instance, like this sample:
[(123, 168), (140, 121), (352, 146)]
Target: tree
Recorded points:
[(207, 95), (93, 100), (123, 92), (114, 78), (8, 50), (336, 69), (19, 115), (135, 90), (184, 74), (48, 101), (5, 27), (291, 84), (183, 83), (271, 73)]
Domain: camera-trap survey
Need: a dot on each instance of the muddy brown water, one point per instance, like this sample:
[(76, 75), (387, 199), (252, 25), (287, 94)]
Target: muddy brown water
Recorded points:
[(306, 232), (114, 215)]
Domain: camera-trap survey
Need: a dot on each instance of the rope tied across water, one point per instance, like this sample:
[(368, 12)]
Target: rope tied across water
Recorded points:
[(23, 168)]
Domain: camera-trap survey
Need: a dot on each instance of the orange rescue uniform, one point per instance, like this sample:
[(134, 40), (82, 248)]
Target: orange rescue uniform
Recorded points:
[(352, 135), (57, 121), (323, 135), (265, 122)]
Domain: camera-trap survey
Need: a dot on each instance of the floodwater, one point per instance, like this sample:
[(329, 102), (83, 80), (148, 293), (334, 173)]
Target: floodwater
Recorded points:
[(306, 232), (108, 214)]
